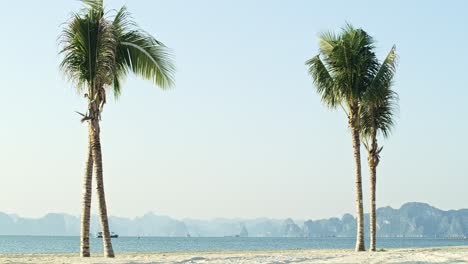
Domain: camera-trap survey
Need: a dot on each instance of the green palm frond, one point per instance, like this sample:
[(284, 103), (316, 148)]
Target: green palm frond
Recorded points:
[(349, 60), (327, 41), (93, 4), (99, 51), (147, 57), (323, 82), (379, 115), (140, 53), (380, 103), (354, 63), (88, 48), (383, 76)]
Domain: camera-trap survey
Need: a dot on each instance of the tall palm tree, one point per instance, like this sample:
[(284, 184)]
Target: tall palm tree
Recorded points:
[(342, 72), (88, 49), (99, 51), (377, 117)]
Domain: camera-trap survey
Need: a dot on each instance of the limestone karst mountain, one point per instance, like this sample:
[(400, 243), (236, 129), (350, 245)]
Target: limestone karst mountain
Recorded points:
[(411, 220)]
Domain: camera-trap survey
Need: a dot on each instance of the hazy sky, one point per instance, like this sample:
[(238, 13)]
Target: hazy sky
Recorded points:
[(243, 134)]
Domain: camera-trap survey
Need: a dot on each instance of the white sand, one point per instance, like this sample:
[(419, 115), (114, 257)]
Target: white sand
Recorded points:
[(446, 255)]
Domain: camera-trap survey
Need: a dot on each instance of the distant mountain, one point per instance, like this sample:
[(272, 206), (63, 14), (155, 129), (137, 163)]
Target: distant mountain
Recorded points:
[(50, 224), (244, 232), (290, 229), (422, 220), (411, 220), (149, 224)]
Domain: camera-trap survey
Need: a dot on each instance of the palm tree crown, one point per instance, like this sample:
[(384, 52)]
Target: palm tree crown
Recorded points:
[(380, 102), (344, 68), (88, 47), (99, 52)]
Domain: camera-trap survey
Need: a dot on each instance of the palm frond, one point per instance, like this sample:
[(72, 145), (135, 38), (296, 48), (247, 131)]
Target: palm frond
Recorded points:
[(327, 41), (380, 102), (384, 75), (323, 81), (147, 58), (379, 115), (88, 47), (99, 52), (140, 53), (350, 61), (93, 4)]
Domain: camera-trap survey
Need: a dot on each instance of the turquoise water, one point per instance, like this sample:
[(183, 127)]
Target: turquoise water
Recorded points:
[(49, 244)]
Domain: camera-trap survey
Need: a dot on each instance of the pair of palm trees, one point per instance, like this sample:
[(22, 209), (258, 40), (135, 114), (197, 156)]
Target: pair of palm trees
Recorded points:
[(347, 74), (98, 52)]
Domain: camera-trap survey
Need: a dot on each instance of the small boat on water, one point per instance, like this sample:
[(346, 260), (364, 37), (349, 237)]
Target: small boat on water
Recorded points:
[(112, 235)]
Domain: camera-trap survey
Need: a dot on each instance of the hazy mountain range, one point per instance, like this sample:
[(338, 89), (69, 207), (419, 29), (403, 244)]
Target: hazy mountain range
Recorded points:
[(411, 220)]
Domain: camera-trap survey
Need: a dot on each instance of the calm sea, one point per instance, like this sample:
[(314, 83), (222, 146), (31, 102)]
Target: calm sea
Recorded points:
[(48, 244)]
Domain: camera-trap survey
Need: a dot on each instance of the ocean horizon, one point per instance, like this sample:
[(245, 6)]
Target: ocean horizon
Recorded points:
[(70, 244)]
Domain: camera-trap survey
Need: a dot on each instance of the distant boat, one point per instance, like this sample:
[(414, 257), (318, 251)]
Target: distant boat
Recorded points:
[(112, 235)]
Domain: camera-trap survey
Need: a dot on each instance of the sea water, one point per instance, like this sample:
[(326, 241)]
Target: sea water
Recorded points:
[(64, 244)]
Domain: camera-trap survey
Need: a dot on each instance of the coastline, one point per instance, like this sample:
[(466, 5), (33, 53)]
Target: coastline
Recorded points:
[(397, 255)]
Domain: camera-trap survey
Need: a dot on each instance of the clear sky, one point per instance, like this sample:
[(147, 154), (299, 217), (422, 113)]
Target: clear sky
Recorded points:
[(243, 134)]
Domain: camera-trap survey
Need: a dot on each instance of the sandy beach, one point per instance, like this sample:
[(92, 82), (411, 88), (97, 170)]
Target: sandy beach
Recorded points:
[(415, 255)]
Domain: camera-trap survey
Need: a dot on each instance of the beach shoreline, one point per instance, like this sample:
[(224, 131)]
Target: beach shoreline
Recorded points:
[(397, 255)]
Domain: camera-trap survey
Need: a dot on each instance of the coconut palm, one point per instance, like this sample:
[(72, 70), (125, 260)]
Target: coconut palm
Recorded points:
[(377, 117), (98, 52), (88, 49), (342, 72)]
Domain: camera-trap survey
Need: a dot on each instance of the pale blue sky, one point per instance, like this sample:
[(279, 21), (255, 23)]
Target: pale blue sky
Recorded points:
[(243, 133)]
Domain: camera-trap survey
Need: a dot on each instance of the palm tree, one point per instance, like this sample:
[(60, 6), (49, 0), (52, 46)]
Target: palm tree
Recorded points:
[(88, 48), (99, 52), (378, 111), (342, 72)]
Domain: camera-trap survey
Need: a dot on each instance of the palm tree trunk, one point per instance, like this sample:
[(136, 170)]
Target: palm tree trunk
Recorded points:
[(357, 160), (97, 159), (373, 222), (86, 199), (373, 160)]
